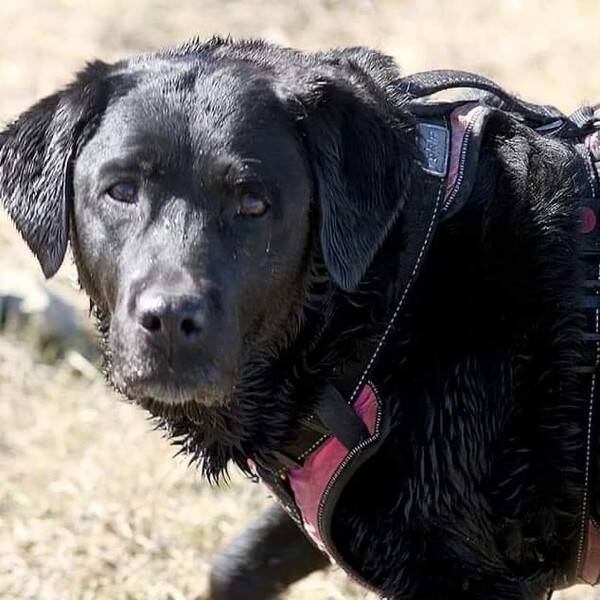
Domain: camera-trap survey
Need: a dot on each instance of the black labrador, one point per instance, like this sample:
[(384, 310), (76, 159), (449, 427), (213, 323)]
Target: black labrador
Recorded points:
[(221, 198)]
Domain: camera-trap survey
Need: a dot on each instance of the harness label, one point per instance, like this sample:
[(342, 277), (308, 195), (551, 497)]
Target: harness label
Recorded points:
[(434, 141)]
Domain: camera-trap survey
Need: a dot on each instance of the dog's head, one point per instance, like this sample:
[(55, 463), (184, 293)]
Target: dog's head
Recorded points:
[(198, 188)]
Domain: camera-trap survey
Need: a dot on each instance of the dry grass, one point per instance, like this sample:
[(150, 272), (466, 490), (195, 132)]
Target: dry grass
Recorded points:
[(91, 504)]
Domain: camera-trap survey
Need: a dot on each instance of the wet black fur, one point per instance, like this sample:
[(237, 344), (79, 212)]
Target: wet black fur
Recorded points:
[(477, 490)]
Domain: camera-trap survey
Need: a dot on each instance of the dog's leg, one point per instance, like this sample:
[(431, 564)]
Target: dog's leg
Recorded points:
[(261, 562)]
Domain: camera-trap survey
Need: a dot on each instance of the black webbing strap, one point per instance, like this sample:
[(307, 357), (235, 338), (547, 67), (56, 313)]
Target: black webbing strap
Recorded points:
[(340, 418), (426, 83)]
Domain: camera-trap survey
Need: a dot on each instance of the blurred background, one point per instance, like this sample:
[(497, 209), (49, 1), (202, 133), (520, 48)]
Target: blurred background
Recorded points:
[(91, 503)]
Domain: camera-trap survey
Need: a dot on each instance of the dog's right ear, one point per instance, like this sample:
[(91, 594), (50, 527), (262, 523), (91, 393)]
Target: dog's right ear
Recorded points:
[(36, 156)]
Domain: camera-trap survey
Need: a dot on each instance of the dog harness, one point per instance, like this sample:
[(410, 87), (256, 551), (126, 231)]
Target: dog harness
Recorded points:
[(348, 426)]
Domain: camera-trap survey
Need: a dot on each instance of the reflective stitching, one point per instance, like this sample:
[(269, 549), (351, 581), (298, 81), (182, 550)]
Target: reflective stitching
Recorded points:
[(586, 478), (402, 298), (392, 320), (588, 449), (313, 447)]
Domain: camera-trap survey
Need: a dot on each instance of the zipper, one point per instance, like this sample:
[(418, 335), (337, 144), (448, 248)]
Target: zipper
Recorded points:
[(332, 551)]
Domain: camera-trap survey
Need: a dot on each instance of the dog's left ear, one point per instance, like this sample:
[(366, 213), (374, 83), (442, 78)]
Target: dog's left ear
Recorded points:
[(361, 151), (36, 156)]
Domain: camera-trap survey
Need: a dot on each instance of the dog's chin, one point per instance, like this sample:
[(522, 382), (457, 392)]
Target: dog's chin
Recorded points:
[(198, 410), (173, 400)]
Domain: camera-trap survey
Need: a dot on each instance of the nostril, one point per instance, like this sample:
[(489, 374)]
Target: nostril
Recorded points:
[(151, 322), (189, 327), (176, 319)]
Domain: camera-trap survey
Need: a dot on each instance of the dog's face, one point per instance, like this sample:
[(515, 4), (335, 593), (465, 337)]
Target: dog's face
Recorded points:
[(190, 184), (191, 209)]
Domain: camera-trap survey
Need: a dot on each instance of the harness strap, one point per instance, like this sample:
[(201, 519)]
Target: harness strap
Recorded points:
[(420, 85), (341, 420)]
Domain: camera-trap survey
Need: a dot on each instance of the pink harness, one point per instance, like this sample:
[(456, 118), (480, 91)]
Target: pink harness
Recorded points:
[(328, 463)]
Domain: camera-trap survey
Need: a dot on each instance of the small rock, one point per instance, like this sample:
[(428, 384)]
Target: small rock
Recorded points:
[(30, 310)]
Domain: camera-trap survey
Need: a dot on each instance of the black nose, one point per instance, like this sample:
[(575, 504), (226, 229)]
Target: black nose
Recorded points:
[(178, 318)]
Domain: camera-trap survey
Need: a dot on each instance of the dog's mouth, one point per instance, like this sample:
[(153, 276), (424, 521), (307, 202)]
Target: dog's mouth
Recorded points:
[(172, 395), (166, 388)]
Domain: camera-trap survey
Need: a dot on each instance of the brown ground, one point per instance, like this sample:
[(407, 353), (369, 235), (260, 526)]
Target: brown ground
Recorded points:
[(91, 504)]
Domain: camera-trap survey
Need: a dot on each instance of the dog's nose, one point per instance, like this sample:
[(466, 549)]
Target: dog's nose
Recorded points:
[(178, 318)]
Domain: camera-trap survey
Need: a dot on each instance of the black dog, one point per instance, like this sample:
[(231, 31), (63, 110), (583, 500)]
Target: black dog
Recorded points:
[(236, 215)]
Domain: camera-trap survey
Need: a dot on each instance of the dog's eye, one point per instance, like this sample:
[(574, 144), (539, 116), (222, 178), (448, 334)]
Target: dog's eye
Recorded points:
[(252, 206), (123, 192)]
